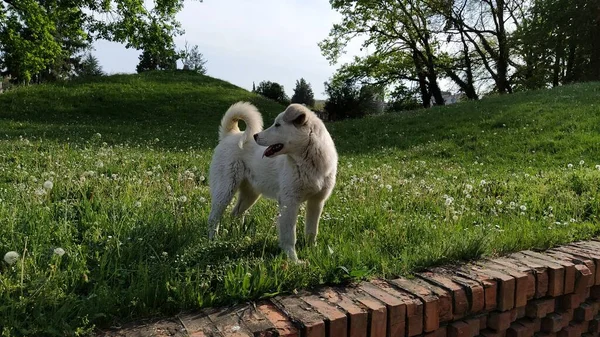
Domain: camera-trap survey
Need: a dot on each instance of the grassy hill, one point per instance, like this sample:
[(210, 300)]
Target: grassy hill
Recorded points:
[(127, 157)]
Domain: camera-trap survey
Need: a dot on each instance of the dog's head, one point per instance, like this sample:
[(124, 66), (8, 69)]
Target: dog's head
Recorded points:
[(290, 133)]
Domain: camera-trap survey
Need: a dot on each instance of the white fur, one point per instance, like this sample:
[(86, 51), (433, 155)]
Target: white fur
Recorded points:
[(304, 170)]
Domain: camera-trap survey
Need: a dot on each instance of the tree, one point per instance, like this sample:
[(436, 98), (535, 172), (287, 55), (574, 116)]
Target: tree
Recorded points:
[(272, 90), (90, 66), (303, 93), (39, 37), (558, 42), (401, 35), (483, 24), (346, 99), (193, 59)]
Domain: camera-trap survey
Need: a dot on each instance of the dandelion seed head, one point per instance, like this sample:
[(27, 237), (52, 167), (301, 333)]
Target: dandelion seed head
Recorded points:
[(182, 198), (11, 257), (59, 251), (523, 207), (569, 165), (48, 184)]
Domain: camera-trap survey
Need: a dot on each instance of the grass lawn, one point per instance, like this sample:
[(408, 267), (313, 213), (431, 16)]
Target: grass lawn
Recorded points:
[(127, 157)]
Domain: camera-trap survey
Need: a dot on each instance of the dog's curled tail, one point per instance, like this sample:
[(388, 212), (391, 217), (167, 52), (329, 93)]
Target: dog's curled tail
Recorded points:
[(241, 111)]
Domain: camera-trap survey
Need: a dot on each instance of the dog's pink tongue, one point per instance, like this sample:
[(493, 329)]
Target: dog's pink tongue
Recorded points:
[(268, 152)]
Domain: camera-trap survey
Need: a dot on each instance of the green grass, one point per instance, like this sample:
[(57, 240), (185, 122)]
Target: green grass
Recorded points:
[(128, 156)]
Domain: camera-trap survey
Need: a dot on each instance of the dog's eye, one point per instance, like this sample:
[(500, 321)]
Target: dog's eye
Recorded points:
[(277, 125)]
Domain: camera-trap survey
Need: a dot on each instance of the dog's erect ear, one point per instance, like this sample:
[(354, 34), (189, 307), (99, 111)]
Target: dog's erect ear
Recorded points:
[(295, 114)]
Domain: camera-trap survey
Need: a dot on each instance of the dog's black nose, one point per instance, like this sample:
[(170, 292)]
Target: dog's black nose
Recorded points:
[(255, 136)]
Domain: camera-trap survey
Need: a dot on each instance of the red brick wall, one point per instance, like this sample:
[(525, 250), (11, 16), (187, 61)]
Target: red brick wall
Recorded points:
[(552, 293)]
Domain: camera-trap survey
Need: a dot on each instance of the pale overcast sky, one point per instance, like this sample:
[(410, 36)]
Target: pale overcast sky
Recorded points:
[(245, 41)]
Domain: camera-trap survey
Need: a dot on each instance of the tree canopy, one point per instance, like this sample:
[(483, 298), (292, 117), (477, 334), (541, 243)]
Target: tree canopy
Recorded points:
[(479, 46), (272, 90), (303, 93), (44, 39)]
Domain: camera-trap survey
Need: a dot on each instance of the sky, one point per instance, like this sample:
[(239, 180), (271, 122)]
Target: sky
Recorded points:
[(247, 41)]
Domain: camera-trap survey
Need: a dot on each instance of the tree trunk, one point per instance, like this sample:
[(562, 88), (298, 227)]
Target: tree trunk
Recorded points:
[(595, 57), (557, 63), (503, 52), (425, 96)]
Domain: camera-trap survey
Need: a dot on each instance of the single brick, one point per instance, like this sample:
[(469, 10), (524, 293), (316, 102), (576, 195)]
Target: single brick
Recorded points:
[(584, 269), (229, 323), (441, 332), (584, 313), (570, 301), (460, 302), (282, 323), (538, 271), (556, 273), (518, 330), (357, 317), (311, 323), (377, 310), (569, 331), (585, 257), (431, 319), (595, 325), (545, 334), (489, 286), (506, 286), (585, 252), (499, 320), (552, 323), (569, 269), (524, 285), (256, 322), (540, 308), (492, 333), (583, 326), (445, 309), (567, 316), (414, 308), (396, 306), (475, 293), (595, 292), (200, 325), (595, 307), (474, 325), (483, 322), (532, 325), (585, 278), (459, 329), (336, 322)]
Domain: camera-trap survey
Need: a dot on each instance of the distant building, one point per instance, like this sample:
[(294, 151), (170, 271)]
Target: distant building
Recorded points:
[(449, 98)]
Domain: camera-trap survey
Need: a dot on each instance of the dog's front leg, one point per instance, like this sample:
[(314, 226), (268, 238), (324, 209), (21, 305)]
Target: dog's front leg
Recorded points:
[(286, 227), (314, 207)]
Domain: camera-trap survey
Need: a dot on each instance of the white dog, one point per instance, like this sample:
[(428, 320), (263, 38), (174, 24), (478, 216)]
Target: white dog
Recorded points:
[(293, 161)]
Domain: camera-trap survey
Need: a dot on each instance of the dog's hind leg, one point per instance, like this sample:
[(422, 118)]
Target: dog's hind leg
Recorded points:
[(314, 207), (222, 191), (246, 198)]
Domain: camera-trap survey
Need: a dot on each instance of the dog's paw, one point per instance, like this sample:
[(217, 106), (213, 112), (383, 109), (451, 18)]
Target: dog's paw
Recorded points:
[(212, 235), (302, 263)]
